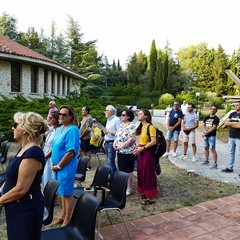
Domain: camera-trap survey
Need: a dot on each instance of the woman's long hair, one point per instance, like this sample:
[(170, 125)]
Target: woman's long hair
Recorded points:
[(148, 118)]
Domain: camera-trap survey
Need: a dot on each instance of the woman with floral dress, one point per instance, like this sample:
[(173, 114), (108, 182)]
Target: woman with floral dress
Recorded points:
[(125, 143)]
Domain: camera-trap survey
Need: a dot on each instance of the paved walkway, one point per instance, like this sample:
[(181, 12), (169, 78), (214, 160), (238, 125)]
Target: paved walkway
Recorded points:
[(216, 219)]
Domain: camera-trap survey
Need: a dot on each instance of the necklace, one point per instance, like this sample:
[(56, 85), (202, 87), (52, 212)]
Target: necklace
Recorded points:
[(126, 124)]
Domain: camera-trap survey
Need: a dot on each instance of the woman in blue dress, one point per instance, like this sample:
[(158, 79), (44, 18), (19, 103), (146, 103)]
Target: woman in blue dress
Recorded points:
[(22, 197), (65, 147)]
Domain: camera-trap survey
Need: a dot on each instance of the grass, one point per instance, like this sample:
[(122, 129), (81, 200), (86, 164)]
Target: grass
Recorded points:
[(177, 190)]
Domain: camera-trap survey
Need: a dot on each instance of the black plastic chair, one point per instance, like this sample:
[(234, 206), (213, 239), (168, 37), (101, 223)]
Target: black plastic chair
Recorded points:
[(100, 179), (1, 137), (82, 169), (49, 193), (2, 178), (4, 151), (116, 199), (99, 151), (82, 223)]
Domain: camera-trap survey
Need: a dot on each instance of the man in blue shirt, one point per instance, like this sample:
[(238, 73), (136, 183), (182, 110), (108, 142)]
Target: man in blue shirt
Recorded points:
[(112, 125), (174, 128)]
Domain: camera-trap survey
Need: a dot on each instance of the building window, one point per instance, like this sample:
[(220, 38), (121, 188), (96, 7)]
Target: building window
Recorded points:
[(16, 77), (53, 82), (58, 83), (34, 79), (63, 85), (45, 81)]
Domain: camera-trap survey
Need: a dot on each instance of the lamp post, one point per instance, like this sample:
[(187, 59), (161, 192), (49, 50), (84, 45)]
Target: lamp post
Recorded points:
[(197, 95)]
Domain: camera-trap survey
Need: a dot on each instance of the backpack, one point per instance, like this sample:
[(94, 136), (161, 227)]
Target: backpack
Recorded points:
[(159, 149)]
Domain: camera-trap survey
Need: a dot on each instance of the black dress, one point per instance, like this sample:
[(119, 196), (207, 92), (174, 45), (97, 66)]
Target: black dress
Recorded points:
[(24, 216)]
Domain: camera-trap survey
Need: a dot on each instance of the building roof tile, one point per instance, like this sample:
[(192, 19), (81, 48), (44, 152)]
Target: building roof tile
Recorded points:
[(11, 47)]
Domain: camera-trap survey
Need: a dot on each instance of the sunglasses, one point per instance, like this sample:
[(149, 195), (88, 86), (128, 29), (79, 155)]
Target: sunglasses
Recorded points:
[(63, 114), (124, 115), (15, 125), (94, 121)]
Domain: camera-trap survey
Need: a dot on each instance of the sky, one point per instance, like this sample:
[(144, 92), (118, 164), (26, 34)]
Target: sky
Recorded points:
[(125, 27)]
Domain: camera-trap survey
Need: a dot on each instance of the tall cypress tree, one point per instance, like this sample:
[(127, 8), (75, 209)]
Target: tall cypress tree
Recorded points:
[(152, 66)]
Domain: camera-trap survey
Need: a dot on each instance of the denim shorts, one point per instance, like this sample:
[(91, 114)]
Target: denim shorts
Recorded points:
[(172, 135), (210, 142)]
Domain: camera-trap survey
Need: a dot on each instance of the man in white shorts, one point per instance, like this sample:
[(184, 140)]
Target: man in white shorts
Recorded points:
[(190, 123)]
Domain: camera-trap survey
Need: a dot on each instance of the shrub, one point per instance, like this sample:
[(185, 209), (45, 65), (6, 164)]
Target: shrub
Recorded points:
[(166, 99), (218, 102), (144, 103)]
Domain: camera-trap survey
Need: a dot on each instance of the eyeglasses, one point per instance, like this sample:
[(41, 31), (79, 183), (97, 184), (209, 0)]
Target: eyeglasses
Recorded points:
[(15, 125), (107, 110), (50, 118), (94, 121), (63, 114), (124, 115)]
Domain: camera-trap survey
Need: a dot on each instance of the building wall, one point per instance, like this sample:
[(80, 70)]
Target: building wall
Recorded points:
[(5, 77), (5, 82)]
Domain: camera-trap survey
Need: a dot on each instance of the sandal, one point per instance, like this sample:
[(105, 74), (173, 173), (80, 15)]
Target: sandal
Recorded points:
[(143, 196), (147, 202), (58, 221)]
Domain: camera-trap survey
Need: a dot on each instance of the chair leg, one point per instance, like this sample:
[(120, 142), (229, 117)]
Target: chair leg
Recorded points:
[(124, 223), (99, 160), (99, 221), (98, 226)]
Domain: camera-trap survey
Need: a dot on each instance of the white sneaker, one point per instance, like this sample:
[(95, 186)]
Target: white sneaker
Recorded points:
[(194, 159), (182, 157), (174, 154), (165, 154)]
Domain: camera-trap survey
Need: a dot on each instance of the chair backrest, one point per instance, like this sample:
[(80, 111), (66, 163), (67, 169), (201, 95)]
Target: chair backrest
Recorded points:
[(3, 143), (84, 216), (101, 146), (101, 176), (117, 194), (1, 137), (5, 148), (49, 198), (82, 167)]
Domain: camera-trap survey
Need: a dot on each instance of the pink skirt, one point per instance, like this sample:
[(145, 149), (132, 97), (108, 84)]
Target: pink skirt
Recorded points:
[(147, 179)]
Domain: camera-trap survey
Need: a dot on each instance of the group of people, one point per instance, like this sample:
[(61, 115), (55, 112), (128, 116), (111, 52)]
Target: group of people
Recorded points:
[(21, 194), (33, 165), (186, 119), (130, 141)]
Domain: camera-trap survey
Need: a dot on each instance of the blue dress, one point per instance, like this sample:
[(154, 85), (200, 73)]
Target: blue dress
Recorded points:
[(63, 142), (24, 216)]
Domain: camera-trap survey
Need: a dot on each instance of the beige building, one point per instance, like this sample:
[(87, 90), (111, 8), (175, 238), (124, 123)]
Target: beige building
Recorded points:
[(26, 72)]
